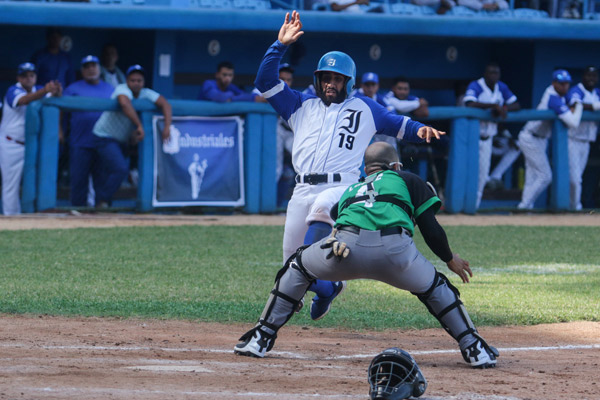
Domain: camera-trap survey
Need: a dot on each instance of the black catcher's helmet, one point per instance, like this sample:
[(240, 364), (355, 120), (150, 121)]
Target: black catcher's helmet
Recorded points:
[(394, 375)]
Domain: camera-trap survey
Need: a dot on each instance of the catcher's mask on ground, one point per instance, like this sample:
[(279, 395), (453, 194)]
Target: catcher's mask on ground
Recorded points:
[(394, 375)]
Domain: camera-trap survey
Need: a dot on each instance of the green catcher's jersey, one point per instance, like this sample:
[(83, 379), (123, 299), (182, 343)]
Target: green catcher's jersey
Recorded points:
[(387, 199)]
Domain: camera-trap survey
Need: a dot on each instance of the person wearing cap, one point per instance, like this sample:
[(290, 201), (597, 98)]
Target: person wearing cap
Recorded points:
[(400, 99), (489, 93), (222, 90), (82, 165), (114, 130), (533, 138), (331, 133), (12, 131), (369, 87), (580, 138), (53, 63)]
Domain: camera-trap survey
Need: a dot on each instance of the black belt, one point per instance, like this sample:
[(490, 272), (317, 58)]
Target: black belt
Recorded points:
[(16, 141), (315, 179), (392, 230), (538, 136), (484, 137)]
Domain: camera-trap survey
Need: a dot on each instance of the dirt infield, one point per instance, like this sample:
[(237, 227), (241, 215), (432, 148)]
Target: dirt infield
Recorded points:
[(44, 357), (67, 358)]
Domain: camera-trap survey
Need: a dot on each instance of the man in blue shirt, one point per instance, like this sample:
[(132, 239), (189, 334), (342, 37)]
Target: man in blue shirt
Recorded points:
[(222, 90), (53, 63), (81, 138), (115, 129)]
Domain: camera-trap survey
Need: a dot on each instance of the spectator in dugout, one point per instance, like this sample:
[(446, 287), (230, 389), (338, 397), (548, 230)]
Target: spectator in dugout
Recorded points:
[(222, 90), (400, 99), (12, 131), (51, 62), (82, 163), (114, 130), (109, 71), (369, 87)]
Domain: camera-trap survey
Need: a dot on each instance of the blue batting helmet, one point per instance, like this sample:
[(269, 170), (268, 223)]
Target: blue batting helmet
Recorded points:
[(341, 63)]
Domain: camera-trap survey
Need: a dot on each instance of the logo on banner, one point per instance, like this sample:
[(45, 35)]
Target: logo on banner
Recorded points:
[(177, 141), (197, 170)]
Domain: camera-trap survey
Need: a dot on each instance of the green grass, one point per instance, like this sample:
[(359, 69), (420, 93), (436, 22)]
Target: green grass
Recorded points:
[(523, 275)]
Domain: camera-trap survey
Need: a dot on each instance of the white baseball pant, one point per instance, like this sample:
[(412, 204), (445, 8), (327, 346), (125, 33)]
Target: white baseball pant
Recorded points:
[(538, 174), (579, 152), (485, 158), (12, 159), (309, 203)]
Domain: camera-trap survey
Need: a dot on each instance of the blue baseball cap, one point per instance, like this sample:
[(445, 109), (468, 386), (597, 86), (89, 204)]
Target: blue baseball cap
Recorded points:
[(25, 67), (561, 75), (370, 77), (286, 66), (135, 68), (90, 59)]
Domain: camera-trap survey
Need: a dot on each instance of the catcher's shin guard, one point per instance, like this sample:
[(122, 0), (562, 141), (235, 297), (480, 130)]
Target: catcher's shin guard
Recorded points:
[(291, 283), (443, 302)]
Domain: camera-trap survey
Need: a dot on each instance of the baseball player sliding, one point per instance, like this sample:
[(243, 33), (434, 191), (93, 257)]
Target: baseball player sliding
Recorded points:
[(331, 133)]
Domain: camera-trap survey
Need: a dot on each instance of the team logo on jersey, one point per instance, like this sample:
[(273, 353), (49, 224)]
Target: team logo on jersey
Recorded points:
[(353, 121)]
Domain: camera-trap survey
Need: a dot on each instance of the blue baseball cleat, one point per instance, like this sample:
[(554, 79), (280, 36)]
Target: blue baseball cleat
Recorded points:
[(320, 307)]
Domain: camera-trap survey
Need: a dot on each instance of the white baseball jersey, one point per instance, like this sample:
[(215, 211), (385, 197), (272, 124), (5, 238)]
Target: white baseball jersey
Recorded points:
[(13, 117), (327, 140), (12, 147), (410, 104), (587, 130), (479, 92), (552, 101)]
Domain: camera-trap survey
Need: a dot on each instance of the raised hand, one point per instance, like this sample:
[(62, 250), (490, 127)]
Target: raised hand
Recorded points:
[(291, 30), (427, 132)]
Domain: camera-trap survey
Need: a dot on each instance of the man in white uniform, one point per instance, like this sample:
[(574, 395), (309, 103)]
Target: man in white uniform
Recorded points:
[(489, 93), (580, 138), (331, 133), (533, 138), (12, 132)]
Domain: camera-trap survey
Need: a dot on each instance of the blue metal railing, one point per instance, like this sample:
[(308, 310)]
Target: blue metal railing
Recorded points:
[(41, 153)]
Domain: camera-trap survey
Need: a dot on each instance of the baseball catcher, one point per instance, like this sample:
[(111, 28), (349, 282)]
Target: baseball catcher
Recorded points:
[(373, 240)]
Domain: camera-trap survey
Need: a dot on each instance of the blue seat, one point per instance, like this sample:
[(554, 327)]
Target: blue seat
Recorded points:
[(214, 3), (252, 4), (529, 13), (405, 9), (462, 11), (497, 14)]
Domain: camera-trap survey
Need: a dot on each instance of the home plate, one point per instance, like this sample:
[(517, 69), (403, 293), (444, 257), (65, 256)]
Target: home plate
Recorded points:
[(171, 368)]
